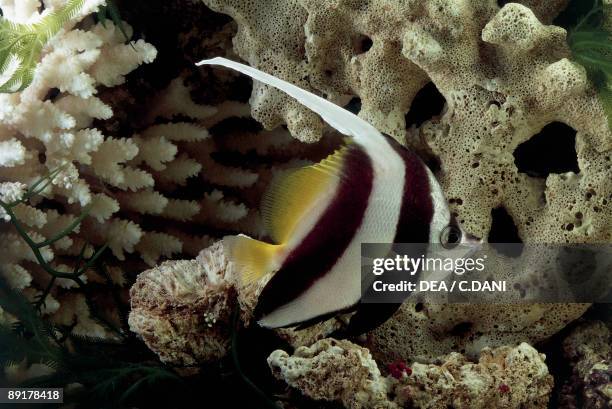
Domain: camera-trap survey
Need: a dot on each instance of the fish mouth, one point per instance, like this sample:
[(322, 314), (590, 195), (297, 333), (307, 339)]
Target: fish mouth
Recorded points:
[(471, 239), (473, 243)]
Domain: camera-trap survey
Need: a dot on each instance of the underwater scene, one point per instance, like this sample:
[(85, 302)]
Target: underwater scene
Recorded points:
[(306, 204)]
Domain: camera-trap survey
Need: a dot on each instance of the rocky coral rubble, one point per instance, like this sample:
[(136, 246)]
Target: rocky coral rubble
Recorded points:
[(334, 370), (182, 309), (505, 377), (589, 353)]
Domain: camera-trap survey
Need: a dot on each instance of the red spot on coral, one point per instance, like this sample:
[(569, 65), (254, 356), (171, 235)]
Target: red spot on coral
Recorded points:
[(503, 388), (398, 368)]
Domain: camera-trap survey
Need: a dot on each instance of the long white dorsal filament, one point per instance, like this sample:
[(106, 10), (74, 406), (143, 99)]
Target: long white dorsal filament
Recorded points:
[(339, 118)]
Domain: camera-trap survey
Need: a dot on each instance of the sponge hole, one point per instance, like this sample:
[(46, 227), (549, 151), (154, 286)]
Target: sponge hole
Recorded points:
[(553, 150), (362, 44), (461, 329), (427, 103), (504, 230), (354, 105)]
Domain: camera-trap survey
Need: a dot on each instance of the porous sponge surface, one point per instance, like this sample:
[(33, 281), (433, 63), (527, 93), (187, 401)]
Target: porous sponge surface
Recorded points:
[(505, 74)]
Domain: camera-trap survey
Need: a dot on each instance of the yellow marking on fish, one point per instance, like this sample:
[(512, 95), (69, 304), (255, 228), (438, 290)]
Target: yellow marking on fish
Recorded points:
[(292, 196)]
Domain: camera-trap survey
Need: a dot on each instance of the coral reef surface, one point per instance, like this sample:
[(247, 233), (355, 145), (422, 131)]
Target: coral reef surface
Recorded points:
[(504, 377), (589, 353)]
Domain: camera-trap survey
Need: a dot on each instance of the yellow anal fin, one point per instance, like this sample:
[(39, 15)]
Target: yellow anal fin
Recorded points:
[(292, 196), (253, 258)]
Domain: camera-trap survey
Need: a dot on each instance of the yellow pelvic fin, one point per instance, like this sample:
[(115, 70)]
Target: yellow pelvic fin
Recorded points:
[(252, 258), (291, 196)]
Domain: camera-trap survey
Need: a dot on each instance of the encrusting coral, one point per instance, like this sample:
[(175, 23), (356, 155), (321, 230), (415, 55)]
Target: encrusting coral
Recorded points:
[(589, 353), (505, 377)]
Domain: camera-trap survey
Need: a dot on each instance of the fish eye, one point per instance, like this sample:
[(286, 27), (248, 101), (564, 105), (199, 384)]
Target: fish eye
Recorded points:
[(450, 237)]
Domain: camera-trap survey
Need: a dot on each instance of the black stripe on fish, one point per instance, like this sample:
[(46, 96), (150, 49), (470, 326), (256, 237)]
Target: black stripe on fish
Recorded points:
[(331, 235), (413, 226), (417, 205)]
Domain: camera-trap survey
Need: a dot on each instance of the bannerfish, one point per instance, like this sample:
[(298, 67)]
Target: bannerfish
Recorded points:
[(371, 190)]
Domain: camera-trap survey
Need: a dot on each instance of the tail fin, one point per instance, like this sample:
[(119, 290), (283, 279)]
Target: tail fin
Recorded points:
[(253, 258), (339, 118)]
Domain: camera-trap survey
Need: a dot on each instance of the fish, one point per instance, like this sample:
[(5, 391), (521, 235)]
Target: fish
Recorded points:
[(370, 190)]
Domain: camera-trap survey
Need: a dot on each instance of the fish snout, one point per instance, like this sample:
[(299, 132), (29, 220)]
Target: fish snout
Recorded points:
[(469, 238)]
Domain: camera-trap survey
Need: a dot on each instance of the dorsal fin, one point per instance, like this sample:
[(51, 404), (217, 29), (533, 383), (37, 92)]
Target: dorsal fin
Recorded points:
[(291, 196), (339, 118)]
